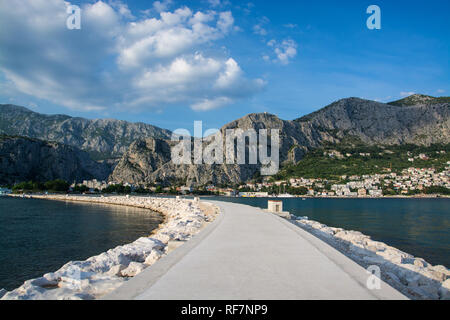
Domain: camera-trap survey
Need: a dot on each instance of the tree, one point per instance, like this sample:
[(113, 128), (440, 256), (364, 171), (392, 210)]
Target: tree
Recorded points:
[(80, 189), (57, 185)]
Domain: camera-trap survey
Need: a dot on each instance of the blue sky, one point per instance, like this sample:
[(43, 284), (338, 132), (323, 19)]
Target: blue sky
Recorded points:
[(169, 63)]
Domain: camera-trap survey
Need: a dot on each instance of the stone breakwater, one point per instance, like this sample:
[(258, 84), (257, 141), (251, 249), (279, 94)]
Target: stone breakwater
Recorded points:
[(412, 276), (101, 274)]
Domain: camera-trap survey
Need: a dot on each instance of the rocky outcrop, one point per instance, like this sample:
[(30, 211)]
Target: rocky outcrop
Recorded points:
[(379, 123), (102, 138), (23, 159), (141, 160), (149, 161), (412, 276)]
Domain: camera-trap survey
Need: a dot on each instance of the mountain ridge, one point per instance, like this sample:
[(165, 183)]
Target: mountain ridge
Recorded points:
[(417, 99), (139, 161), (103, 138), (362, 120)]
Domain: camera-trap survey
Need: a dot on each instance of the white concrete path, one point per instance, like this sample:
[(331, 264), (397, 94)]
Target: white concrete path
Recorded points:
[(250, 254)]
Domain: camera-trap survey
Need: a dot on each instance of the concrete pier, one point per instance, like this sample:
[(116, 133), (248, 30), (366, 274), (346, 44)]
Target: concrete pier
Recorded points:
[(248, 253)]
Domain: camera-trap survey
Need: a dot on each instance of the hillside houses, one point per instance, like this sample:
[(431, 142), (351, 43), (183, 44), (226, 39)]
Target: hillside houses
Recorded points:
[(411, 179)]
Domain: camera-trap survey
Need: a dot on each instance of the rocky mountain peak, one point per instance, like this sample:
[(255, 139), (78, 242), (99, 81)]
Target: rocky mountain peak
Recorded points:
[(420, 99), (256, 121), (102, 138)]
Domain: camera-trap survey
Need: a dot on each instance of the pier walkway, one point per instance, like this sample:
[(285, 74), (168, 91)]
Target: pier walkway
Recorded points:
[(247, 253)]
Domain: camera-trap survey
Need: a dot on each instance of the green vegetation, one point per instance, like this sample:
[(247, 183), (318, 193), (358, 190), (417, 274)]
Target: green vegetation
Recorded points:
[(333, 161), (80, 189), (117, 188), (32, 186), (437, 190), (415, 99)]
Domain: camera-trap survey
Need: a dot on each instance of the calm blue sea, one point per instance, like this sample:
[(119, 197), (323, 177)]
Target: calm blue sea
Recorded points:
[(40, 236), (420, 227)]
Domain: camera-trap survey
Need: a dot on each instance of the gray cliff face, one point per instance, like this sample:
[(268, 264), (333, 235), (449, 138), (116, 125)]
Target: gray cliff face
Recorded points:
[(141, 160), (103, 138), (296, 139), (23, 159), (367, 121), (379, 123), (149, 161)]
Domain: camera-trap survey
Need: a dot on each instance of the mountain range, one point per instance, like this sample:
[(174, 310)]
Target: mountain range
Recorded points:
[(102, 138), (139, 153)]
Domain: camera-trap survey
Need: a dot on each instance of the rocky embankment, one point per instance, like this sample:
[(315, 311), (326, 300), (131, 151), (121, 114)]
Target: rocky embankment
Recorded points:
[(99, 275), (412, 276)]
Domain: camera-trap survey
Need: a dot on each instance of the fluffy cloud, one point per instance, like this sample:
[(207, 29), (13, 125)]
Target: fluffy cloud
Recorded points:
[(214, 3), (212, 104), (284, 51), (206, 82), (259, 28), (161, 6), (407, 93), (116, 60)]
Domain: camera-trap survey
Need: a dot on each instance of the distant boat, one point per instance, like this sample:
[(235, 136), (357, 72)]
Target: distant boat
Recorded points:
[(285, 195), (303, 199)]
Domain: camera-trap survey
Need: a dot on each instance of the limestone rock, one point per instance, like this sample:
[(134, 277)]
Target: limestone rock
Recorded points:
[(133, 269), (444, 290), (154, 256)]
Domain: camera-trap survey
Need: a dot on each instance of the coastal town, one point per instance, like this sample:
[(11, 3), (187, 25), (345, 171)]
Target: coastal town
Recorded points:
[(409, 182)]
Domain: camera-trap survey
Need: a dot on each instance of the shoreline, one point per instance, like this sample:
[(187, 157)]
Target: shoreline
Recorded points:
[(410, 275), (342, 197), (101, 274)]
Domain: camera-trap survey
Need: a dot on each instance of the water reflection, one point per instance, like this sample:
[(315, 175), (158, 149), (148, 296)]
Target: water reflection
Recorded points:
[(39, 236)]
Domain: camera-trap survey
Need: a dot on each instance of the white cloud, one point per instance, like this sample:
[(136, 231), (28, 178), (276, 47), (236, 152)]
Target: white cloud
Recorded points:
[(218, 3), (284, 51), (225, 22), (258, 29), (440, 90), (214, 3), (407, 93), (201, 81), (173, 34), (122, 9), (291, 26), (116, 60), (161, 6), (207, 104)]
